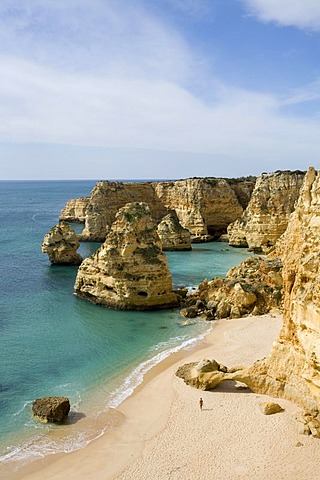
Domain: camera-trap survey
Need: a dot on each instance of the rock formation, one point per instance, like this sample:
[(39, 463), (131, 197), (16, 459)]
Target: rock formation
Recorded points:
[(267, 214), (75, 210), (243, 188), (205, 206), (108, 197), (51, 409), (172, 235), (292, 370), (129, 271), (252, 288), (61, 245)]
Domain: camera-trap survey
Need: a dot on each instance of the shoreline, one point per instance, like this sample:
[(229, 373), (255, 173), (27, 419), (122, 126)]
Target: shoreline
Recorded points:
[(150, 413), (20, 469)]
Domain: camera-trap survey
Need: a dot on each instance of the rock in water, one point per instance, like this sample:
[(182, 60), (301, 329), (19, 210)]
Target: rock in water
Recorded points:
[(61, 245), (51, 409), (172, 235), (129, 271)]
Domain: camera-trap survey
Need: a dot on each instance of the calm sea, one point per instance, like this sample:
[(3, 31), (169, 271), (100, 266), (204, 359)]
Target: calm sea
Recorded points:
[(53, 343)]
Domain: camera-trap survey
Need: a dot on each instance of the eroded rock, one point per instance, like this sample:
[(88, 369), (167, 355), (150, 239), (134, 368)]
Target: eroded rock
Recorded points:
[(51, 409), (75, 210), (129, 271), (172, 235), (254, 287), (61, 245), (205, 206)]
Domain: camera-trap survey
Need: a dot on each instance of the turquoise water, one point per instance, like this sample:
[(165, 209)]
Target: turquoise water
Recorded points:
[(53, 343)]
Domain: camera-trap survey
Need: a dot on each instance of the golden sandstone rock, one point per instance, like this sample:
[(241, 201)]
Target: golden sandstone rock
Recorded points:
[(292, 370), (75, 210), (267, 214), (172, 235), (129, 271), (203, 205), (61, 245)]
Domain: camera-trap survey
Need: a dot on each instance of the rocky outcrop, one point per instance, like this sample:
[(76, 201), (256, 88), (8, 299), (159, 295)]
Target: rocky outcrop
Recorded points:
[(172, 235), (51, 409), (129, 271), (252, 288), (75, 210), (267, 214), (292, 370), (108, 197), (61, 245), (205, 206)]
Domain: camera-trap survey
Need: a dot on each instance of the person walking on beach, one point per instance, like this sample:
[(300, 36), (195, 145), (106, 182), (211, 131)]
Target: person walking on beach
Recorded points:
[(201, 403)]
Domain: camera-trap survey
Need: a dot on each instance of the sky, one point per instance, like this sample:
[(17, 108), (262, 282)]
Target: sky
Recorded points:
[(157, 89)]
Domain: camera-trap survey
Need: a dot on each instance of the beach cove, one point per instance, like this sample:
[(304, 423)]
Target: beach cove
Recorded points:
[(165, 435), (53, 343)]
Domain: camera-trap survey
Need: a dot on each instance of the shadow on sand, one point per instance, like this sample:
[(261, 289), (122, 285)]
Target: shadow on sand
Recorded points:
[(230, 386)]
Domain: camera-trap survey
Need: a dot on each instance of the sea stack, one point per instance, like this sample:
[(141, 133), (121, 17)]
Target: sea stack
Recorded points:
[(129, 271), (172, 234), (61, 245)]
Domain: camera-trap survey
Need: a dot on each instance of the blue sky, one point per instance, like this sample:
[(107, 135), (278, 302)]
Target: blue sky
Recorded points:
[(110, 89)]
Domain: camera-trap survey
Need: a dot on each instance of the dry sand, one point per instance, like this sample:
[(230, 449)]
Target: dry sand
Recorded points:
[(166, 436)]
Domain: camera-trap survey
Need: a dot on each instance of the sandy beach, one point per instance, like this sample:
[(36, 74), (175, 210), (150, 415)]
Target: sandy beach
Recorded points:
[(164, 435)]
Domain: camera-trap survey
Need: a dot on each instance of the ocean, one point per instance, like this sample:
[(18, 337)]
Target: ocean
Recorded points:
[(53, 343)]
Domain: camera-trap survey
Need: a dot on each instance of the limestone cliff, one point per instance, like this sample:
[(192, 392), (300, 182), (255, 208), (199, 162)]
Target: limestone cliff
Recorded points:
[(75, 210), (203, 205), (129, 271), (61, 245), (292, 370), (243, 188), (172, 235), (266, 217), (108, 197)]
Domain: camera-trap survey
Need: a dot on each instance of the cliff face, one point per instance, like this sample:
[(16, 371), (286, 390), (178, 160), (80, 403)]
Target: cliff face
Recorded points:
[(172, 235), (292, 370), (75, 210), (243, 188), (108, 197), (267, 215), (203, 205), (61, 245), (129, 271)]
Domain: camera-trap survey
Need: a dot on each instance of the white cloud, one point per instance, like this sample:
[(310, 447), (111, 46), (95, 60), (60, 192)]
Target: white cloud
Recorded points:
[(44, 105), (96, 74), (304, 14), (94, 35)]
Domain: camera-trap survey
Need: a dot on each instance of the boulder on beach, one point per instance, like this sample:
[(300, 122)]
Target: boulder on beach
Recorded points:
[(51, 409)]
